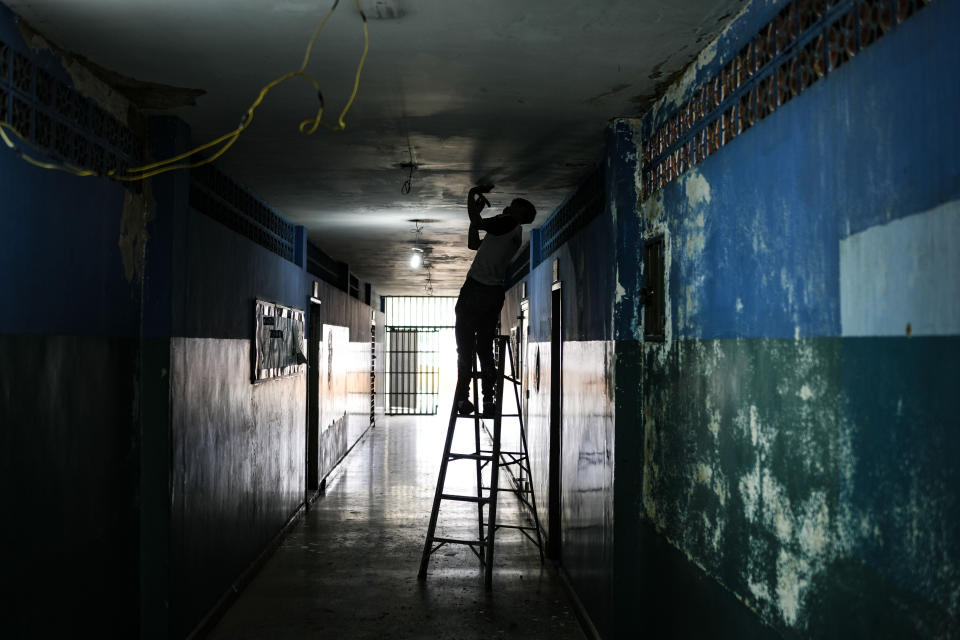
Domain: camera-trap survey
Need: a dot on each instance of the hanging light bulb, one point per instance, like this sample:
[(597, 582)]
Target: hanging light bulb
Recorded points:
[(416, 259)]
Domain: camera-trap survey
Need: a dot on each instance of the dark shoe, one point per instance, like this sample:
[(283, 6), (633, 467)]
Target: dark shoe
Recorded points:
[(489, 410), (465, 407)]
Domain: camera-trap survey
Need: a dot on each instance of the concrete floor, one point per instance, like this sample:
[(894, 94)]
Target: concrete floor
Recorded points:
[(349, 568)]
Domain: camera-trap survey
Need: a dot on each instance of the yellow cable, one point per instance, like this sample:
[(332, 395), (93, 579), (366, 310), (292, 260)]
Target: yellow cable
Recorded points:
[(228, 139), (341, 125), (69, 168), (363, 59), (232, 136)]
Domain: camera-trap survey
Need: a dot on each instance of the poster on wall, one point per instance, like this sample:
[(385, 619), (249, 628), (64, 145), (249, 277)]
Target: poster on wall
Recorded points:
[(279, 343)]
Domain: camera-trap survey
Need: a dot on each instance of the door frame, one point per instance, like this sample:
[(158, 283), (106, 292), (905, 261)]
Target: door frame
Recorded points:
[(312, 452), (555, 482)]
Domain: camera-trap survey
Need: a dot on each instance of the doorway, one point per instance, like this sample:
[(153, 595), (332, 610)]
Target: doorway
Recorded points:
[(313, 398), (554, 540), (521, 351)]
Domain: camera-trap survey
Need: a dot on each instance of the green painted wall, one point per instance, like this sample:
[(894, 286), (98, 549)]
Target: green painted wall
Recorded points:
[(787, 457)]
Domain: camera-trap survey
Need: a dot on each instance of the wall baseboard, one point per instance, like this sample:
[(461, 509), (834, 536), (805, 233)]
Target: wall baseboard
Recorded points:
[(227, 599), (581, 612)]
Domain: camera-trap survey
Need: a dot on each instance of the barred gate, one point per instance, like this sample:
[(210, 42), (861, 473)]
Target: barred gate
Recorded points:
[(414, 333)]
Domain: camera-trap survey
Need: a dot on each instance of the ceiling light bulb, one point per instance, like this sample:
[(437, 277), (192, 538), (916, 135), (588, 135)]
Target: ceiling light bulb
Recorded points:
[(416, 259)]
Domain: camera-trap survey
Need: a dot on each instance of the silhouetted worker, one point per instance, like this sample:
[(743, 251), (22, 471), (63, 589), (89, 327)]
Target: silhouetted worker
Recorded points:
[(481, 297)]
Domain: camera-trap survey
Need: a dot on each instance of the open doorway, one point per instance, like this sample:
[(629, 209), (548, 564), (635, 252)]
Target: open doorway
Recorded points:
[(420, 360)]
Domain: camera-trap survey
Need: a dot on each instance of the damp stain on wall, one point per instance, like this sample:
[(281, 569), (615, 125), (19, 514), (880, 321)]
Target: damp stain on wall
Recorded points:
[(137, 213), (806, 466), (749, 487)]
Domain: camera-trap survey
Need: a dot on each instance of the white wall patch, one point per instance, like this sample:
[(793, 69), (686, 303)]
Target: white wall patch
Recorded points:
[(906, 272)]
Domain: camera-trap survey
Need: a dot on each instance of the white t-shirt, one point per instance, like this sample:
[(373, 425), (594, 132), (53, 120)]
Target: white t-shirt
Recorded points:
[(493, 257)]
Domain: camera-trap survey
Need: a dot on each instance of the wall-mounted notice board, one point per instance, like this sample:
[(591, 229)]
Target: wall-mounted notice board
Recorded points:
[(278, 341)]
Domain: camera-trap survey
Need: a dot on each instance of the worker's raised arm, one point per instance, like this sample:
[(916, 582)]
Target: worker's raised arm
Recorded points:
[(476, 201), (475, 204), (473, 237)]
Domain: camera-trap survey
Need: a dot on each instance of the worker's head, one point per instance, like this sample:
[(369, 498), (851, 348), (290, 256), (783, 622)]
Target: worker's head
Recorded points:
[(522, 210)]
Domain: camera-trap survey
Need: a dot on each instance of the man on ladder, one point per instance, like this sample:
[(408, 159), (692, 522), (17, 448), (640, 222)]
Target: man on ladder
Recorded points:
[(481, 297)]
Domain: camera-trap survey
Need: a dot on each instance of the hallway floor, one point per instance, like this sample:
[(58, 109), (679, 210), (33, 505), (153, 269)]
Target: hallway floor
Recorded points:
[(349, 568)]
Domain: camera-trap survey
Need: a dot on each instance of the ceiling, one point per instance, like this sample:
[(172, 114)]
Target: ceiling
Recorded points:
[(516, 93)]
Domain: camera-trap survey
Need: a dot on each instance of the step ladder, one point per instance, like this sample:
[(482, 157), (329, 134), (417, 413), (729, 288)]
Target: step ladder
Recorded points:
[(516, 463)]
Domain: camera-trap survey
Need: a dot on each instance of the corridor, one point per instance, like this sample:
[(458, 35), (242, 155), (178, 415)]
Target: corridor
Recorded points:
[(243, 242), (349, 568)]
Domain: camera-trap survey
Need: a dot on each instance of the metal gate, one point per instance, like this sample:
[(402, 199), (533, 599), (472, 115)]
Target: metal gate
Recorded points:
[(414, 331)]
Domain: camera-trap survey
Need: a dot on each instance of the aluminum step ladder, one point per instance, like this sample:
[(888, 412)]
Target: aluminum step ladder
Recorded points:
[(515, 463)]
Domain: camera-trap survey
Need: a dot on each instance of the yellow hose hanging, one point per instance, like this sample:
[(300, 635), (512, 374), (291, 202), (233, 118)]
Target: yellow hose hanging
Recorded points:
[(307, 127)]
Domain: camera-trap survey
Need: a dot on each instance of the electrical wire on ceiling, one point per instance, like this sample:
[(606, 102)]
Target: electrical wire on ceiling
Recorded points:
[(428, 285), (307, 127), (407, 184), (419, 258)]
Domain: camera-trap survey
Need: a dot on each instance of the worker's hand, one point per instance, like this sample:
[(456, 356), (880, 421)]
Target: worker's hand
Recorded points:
[(476, 201), (481, 188)]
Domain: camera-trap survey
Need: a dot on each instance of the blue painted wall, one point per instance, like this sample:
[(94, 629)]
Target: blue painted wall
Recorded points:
[(586, 274), (237, 449), (796, 450), (784, 462), (143, 471), (69, 371)]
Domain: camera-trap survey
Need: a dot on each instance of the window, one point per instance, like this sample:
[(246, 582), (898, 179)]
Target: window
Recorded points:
[(652, 294)]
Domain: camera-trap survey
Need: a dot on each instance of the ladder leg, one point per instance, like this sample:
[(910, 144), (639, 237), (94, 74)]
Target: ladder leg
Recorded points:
[(476, 438), (495, 465), (431, 529)]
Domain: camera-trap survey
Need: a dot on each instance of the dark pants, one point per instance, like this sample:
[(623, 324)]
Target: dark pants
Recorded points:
[(478, 311)]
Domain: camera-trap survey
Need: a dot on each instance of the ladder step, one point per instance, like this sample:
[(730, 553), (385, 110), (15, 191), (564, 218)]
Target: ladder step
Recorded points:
[(510, 490), (469, 456), (514, 526), (456, 541), (516, 454), (474, 499)]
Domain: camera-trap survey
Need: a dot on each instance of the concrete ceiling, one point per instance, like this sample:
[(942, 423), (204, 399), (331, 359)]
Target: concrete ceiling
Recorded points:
[(514, 92)]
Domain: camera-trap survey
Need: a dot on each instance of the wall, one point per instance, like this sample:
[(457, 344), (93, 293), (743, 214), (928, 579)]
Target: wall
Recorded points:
[(798, 427), (69, 370), (586, 273), (344, 375), (144, 472), (237, 449)]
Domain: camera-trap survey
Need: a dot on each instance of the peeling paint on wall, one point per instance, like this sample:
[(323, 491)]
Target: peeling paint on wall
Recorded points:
[(811, 475), (137, 213), (679, 91), (696, 187), (711, 504), (83, 78)]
